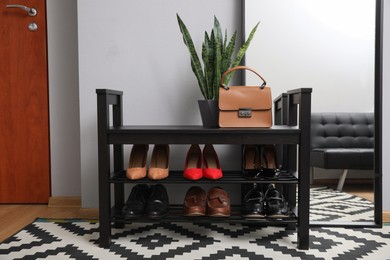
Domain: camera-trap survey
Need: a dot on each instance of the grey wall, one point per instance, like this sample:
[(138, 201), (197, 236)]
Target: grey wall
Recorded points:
[(63, 97), (138, 48)]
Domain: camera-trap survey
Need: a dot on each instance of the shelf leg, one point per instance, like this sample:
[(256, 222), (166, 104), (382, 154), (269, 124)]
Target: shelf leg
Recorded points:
[(291, 226), (304, 172)]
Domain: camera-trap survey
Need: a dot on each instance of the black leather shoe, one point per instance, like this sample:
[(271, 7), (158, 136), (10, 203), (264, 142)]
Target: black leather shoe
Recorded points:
[(158, 202), (276, 205), (253, 203), (136, 202)]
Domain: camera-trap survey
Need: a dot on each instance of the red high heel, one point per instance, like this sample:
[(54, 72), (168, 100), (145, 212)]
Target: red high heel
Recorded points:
[(212, 168), (193, 164)]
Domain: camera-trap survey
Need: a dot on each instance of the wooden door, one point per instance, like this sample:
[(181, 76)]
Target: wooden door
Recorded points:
[(24, 117)]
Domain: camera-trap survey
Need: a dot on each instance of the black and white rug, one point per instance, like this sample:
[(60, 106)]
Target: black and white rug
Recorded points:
[(327, 204), (77, 240)]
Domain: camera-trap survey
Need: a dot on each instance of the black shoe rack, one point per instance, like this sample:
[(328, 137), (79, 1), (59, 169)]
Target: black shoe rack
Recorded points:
[(291, 134)]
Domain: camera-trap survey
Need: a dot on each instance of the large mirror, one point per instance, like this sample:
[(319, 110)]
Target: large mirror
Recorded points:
[(329, 46)]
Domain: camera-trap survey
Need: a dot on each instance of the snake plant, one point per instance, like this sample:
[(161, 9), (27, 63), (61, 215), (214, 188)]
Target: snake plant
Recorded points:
[(217, 57)]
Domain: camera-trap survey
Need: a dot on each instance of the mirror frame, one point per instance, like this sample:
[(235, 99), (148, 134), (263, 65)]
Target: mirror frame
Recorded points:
[(378, 66), (378, 200)]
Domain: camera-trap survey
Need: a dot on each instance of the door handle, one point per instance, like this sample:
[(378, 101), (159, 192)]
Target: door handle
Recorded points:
[(31, 11)]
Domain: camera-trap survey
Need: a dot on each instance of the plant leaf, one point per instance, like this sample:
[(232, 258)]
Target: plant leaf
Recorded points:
[(211, 64), (227, 56), (218, 32), (207, 71), (195, 62), (224, 42), (218, 48), (217, 69)]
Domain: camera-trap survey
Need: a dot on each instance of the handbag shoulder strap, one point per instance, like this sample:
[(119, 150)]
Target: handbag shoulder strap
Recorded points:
[(240, 68)]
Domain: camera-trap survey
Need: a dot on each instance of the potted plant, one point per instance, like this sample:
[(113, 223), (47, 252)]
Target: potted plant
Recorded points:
[(217, 56)]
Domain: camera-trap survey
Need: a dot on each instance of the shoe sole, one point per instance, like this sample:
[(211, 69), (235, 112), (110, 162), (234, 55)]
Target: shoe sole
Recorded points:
[(194, 214), (277, 216), (219, 215), (253, 216)]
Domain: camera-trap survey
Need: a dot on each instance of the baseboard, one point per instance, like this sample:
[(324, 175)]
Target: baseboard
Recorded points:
[(386, 216), (73, 202)]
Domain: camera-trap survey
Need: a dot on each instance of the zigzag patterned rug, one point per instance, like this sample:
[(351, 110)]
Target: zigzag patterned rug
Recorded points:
[(76, 239), (327, 204)]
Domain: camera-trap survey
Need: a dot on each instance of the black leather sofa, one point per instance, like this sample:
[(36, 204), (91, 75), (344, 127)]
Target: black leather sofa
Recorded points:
[(342, 141)]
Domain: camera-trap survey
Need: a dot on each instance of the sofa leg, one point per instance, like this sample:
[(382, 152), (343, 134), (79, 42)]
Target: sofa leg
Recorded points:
[(311, 175), (342, 180)]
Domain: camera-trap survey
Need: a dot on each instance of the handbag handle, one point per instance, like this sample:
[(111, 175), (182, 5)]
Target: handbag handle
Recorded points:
[(240, 68)]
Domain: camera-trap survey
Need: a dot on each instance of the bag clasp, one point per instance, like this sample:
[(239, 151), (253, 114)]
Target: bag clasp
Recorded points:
[(245, 112)]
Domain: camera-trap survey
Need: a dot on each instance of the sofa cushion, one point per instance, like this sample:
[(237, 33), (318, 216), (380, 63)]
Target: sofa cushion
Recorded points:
[(342, 140), (342, 130), (341, 158)]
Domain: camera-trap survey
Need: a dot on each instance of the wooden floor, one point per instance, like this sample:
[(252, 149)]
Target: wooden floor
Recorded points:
[(14, 217), (365, 191)]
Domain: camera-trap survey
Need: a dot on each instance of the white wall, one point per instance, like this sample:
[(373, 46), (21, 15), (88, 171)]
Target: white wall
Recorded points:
[(137, 47), (304, 43), (63, 97), (386, 107), (299, 45)]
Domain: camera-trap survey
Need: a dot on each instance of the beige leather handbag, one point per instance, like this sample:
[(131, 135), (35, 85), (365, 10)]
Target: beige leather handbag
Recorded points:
[(244, 106)]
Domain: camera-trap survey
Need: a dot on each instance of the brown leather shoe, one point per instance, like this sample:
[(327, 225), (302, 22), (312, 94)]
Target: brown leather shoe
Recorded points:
[(195, 202), (218, 203)]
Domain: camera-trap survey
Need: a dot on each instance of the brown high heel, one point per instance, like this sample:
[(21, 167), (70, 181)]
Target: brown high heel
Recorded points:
[(137, 162), (159, 163)]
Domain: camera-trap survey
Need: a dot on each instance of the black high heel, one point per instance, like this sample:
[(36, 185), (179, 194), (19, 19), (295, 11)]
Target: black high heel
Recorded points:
[(250, 161), (269, 164)]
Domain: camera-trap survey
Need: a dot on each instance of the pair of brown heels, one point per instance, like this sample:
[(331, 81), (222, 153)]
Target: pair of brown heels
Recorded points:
[(159, 163), (260, 161)]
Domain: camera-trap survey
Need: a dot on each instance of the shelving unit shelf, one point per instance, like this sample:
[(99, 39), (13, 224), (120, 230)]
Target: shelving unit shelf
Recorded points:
[(291, 137), (229, 177), (175, 215)]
